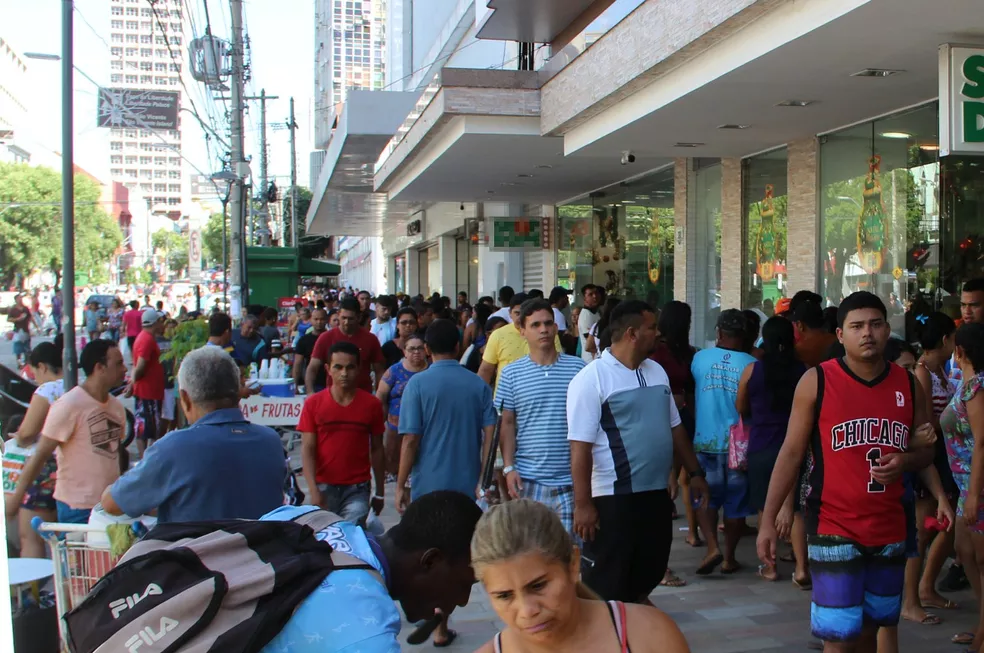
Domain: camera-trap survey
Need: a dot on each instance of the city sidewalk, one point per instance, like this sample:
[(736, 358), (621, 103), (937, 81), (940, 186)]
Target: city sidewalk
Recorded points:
[(722, 614), (718, 614)]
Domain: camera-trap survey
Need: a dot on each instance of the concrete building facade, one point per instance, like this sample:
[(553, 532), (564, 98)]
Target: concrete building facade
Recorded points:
[(726, 153)]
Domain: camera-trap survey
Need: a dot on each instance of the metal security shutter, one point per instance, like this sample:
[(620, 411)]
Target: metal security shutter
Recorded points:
[(533, 270)]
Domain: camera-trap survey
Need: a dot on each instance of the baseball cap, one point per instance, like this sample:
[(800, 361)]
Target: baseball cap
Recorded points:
[(731, 321), (150, 316)]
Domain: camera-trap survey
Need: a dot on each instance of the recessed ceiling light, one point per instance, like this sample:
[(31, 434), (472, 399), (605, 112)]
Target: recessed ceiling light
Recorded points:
[(796, 103), (899, 135), (688, 145), (509, 183), (545, 166), (525, 176), (490, 192), (642, 197), (733, 126), (876, 72), (929, 146)]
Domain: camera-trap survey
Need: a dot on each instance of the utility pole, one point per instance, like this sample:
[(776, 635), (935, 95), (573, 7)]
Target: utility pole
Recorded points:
[(236, 203), (69, 357), (263, 145), (293, 176)]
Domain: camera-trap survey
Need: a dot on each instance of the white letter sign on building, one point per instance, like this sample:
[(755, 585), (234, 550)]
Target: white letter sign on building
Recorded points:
[(961, 99)]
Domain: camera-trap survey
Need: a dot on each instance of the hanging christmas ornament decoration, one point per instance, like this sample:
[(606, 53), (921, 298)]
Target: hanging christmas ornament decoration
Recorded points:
[(872, 236), (765, 241), (655, 257)]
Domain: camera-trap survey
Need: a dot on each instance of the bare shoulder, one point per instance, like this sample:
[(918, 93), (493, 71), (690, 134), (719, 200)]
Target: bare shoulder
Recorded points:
[(652, 631)]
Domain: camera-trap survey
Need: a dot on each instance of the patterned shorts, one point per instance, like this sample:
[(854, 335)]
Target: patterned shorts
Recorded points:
[(853, 586), (147, 418), (560, 499)]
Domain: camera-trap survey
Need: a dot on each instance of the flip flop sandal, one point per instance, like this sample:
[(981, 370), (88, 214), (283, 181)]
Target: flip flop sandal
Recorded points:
[(452, 635), (696, 543), (962, 639), (761, 574), (728, 571), (929, 620), (709, 566), (672, 580), (946, 605), (806, 584), (789, 557)]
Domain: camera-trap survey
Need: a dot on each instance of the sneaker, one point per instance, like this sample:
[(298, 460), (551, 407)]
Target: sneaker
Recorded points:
[(955, 579)]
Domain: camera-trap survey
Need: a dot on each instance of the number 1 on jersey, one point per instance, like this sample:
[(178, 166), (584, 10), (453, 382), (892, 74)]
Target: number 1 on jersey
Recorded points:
[(874, 455)]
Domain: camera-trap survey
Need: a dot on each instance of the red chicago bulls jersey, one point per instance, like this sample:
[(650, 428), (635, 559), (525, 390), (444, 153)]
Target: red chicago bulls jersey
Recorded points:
[(858, 422)]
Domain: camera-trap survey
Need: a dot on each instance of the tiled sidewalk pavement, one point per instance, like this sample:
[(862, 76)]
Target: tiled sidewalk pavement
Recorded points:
[(724, 614)]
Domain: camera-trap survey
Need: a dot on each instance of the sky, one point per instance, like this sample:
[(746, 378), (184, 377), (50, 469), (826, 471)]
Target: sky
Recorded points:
[(281, 34)]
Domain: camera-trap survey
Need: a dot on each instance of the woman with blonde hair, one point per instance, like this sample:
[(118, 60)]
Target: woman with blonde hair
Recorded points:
[(530, 568)]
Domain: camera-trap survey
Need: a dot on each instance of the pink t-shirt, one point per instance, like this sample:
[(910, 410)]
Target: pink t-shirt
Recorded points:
[(132, 321), (89, 435)]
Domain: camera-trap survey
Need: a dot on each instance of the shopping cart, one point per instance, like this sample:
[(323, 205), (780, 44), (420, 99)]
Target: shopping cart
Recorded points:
[(78, 565)]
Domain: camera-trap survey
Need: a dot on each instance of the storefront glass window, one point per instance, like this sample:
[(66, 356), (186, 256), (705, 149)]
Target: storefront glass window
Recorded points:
[(621, 239), (764, 262), (880, 227), (400, 270), (962, 237), (707, 285)]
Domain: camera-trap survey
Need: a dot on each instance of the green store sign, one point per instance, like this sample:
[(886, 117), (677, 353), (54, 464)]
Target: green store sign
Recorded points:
[(961, 99)]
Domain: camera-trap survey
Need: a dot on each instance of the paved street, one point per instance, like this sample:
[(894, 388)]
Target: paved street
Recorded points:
[(718, 614)]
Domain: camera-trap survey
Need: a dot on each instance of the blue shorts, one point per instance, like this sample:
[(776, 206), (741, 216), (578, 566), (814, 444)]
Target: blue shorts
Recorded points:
[(854, 586), (70, 515), (729, 487)]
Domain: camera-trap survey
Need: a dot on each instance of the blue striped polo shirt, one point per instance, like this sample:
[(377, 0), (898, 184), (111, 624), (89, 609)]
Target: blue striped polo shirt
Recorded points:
[(538, 396)]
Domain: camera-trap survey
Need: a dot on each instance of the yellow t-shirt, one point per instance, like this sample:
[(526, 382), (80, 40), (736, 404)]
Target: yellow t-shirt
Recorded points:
[(506, 345)]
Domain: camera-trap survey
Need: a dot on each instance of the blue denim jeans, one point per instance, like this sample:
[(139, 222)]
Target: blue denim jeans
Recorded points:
[(350, 502), (70, 515)]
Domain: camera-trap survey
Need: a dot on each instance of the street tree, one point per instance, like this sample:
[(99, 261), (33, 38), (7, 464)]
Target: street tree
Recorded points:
[(212, 239), (304, 197), (30, 234), (172, 246)]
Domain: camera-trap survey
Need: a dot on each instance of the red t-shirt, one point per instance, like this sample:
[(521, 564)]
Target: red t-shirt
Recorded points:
[(151, 385), (859, 422), (132, 321), (369, 352), (343, 434)]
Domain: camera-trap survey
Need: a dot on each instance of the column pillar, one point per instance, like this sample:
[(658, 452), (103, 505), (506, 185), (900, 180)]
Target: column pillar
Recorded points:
[(447, 255), (802, 222), (413, 272), (390, 274), (682, 212), (731, 245)]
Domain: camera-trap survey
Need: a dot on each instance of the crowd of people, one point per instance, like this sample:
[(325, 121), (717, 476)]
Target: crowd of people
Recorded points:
[(855, 445)]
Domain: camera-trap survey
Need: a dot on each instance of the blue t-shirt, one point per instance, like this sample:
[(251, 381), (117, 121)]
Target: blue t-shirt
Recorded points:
[(220, 467), (716, 373), (538, 396), (247, 351), (447, 406), (351, 610)]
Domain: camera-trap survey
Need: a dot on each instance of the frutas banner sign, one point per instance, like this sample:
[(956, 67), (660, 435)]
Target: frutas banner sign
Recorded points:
[(961, 99)]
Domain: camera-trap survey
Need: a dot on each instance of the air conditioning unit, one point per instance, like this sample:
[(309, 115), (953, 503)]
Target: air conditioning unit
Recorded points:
[(210, 60)]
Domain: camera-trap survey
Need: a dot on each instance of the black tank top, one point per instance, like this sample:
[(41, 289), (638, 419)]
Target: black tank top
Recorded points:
[(616, 610)]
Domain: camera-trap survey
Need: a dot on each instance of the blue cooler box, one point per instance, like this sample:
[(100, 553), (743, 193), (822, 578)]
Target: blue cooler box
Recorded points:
[(277, 387)]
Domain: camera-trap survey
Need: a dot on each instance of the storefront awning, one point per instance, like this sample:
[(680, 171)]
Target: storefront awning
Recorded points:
[(309, 267)]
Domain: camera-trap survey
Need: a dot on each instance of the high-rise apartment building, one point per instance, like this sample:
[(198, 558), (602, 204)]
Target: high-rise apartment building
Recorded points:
[(147, 43), (350, 51)]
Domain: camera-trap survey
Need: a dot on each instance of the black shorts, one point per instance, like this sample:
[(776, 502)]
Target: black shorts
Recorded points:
[(631, 549), (760, 466), (129, 343)]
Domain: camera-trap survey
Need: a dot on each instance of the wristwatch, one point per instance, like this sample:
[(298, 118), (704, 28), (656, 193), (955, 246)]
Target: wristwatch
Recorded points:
[(507, 469), (698, 473)]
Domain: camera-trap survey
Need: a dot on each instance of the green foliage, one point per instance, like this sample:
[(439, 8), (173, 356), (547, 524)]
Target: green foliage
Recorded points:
[(212, 239), (187, 337), (30, 236), (304, 197), (136, 276), (173, 246)]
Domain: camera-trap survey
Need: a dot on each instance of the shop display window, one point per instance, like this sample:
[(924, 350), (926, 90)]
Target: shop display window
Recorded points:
[(620, 238), (880, 215), (764, 231)]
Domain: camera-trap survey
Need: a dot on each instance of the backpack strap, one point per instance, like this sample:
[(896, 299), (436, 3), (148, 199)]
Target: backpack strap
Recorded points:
[(319, 520)]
